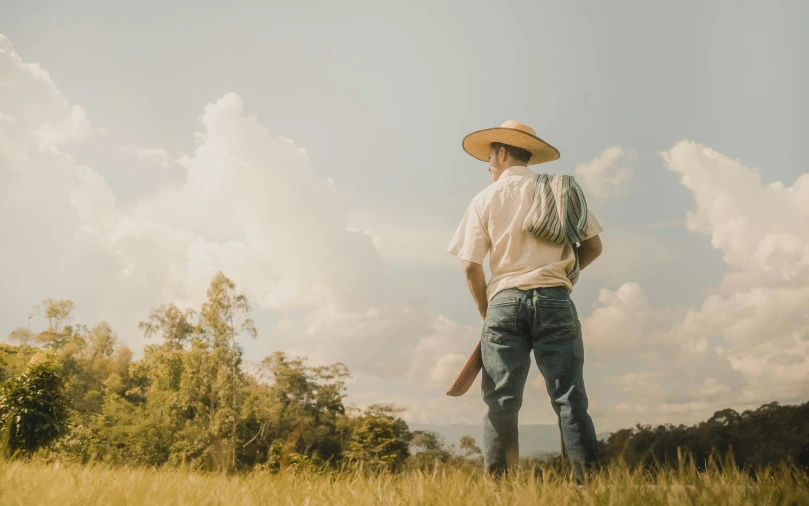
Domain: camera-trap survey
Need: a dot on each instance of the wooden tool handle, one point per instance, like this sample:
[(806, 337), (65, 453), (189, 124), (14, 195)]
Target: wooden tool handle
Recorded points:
[(468, 373)]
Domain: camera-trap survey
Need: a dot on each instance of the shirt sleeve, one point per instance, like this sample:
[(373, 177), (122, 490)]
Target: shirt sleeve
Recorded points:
[(471, 240), (592, 228)]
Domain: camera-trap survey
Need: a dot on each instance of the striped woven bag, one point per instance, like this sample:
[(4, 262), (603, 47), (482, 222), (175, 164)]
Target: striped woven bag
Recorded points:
[(559, 213)]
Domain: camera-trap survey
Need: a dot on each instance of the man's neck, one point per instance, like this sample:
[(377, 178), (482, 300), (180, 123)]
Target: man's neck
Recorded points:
[(515, 170)]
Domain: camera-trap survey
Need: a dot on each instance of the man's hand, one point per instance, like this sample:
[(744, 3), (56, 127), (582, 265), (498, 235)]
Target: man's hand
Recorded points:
[(589, 250), (476, 281)]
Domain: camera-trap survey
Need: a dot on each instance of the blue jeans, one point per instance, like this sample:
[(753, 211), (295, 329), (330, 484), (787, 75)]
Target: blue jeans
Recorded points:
[(543, 320)]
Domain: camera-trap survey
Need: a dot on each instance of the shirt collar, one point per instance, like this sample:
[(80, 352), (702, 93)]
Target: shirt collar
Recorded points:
[(516, 170)]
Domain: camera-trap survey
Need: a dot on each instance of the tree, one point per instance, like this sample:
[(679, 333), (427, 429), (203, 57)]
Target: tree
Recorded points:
[(102, 340), (21, 336), (196, 373), (56, 312), (172, 323), (226, 316), (757, 438), (382, 439), (429, 448), (469, 447), (307, 399), (34, 407)]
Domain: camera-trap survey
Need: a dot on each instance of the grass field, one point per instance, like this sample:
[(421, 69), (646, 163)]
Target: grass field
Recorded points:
[(65, 485)]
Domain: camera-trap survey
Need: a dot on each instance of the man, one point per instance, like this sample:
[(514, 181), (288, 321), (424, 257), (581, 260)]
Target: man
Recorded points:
[(526, 304)]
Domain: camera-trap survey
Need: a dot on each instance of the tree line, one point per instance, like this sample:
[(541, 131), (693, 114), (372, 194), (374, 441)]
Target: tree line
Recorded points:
[(754, 438), (75, 392)]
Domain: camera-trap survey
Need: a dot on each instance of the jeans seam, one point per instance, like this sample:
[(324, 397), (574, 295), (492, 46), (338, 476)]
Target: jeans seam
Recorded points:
[(557, 326)]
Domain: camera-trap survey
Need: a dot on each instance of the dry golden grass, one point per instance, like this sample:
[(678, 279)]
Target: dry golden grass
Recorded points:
[(59, 484)]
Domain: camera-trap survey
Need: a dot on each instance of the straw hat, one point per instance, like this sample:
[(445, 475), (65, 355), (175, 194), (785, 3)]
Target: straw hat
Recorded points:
[(513, 133)]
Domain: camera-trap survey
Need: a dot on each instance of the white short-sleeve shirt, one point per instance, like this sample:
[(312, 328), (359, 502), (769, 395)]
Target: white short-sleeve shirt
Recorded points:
[(492, 225)]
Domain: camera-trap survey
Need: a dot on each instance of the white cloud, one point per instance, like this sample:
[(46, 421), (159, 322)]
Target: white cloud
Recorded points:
[(396, 340), (629, 253), (624, 320), (760, 229), (440, 354), (158, 156), (712, 389), (44, 253), (420, 242), (250, 205), (761, 306), (50, 121), (748, 342), (608, 174)]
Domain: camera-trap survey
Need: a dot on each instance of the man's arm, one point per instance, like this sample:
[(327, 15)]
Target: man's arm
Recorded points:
[(589, 250), (476, 281)]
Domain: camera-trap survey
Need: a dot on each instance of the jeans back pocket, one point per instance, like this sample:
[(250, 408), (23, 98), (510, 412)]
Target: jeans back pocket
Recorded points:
[(555, 313), (501, 318)]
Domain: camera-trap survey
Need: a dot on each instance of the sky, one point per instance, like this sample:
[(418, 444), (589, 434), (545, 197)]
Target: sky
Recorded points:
[(311, 151)]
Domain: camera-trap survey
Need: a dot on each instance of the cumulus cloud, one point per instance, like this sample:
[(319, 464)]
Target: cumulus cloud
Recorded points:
[(760, 229), (45, 252), (158, 156), (608, 174), (624, 320), (419, 242), (747, 343), (249, 205), (51, 121), (761, 306)]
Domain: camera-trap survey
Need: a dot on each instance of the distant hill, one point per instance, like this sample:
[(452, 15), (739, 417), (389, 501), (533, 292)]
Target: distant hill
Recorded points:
[(535, 440), (603, 436)]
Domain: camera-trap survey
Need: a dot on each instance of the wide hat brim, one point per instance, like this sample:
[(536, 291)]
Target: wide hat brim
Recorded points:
[(478, 144)]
